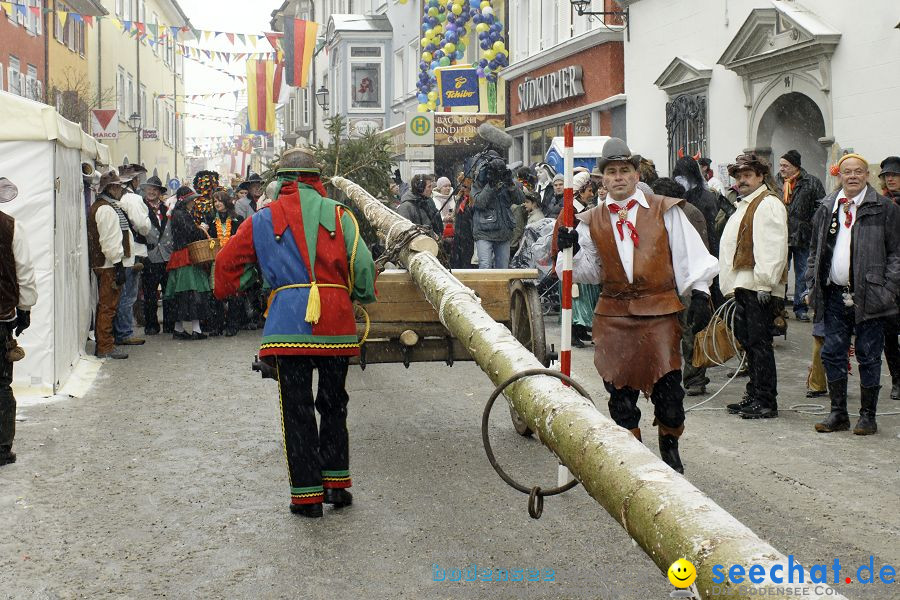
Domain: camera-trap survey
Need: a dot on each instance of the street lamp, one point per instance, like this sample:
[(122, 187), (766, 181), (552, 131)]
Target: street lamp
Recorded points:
[(322, 97), (583, 7), (134, 121)]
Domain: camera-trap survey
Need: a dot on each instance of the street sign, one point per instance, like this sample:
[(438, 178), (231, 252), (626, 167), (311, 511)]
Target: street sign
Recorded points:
[(420, 153), (420, 129), (174, 184), (105, 124), (150, 134)]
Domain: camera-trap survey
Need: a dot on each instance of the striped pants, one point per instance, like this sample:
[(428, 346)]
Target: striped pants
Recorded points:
[(317, 457)]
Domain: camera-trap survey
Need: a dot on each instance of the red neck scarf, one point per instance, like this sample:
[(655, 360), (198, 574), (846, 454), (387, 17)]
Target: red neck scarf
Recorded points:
[(623, 220), (847, 204)]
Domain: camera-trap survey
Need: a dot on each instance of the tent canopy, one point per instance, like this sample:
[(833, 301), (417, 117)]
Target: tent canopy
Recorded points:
[(27, 120)]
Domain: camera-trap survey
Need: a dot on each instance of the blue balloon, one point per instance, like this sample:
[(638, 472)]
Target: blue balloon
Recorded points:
[(422, 98), (483, 62), (438, 54), (485, 44), (501, 59), (433, 21), (476, 16), (459, 54), (441, 9), (451, 37), (425, 26)]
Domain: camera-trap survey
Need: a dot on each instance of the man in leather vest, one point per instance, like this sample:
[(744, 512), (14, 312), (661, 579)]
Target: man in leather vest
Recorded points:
[(753, 268), (108, 246), (853, 278), (644, 253), (18, 293)]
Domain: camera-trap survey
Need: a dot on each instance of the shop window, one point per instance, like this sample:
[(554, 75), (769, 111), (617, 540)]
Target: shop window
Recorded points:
[(582, 125), (686, 126), (365, 83), (536, 146)]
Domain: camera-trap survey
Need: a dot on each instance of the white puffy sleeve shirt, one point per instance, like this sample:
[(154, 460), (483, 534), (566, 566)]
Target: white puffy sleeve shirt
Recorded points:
[(24, 269)]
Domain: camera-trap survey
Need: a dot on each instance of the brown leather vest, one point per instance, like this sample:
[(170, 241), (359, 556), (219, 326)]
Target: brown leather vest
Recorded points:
[(9, 280), (95, 253), (743, 251), (653, 292)]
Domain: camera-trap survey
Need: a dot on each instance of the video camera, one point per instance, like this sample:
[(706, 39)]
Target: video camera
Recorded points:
[(493, 172)]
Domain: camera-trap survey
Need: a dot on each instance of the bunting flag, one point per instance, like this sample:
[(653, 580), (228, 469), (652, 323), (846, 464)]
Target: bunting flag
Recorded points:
[(63, 17), (299, 44), (260, 102)]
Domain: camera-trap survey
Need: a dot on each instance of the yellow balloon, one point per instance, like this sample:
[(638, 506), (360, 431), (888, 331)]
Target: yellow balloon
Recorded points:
[(426, 56), (402, 1), (490, 54), (457, 9), (438, 29), (482, 27), (431, 105), (432, 96), (429, 33), (442, 2), (499, 46), (422, 108), (485, 3), (449, 48)]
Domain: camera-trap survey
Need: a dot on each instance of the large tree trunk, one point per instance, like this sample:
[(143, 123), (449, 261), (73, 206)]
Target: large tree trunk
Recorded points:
[(659, 508)]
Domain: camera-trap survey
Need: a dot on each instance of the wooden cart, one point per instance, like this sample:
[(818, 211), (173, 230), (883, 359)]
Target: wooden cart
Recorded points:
[(405, 328)]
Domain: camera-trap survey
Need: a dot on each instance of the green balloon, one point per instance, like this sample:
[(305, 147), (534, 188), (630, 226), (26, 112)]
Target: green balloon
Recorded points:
[(445, 61)]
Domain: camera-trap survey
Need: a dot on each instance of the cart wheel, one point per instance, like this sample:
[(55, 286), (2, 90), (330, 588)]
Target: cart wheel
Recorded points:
[(527, 326)]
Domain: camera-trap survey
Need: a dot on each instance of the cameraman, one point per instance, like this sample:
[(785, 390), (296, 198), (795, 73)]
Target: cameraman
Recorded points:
[(417, 205), (494, 192)]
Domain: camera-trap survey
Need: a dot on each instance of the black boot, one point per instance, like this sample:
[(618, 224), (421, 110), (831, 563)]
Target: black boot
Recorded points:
[(760, 410), (895, 388), (738, 407), (339, 497), (668, 451), (7, 456), (837, 420), (868, 402), (312, 511), (576, 339)]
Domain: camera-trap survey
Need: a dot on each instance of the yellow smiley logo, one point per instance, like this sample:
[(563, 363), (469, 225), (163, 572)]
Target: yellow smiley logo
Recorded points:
[(682, 573)]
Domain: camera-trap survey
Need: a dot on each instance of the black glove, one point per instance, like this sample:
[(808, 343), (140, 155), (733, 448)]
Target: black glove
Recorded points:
[(763, 298), (567, 238), (120, 274), (699, 312), (23, 320)]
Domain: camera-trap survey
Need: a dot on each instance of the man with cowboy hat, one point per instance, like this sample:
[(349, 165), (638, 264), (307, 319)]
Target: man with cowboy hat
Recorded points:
[(18, 293), (248, 205), (310, 250), (753, 255), (853, 277), (890, 187), (138, 227), (153, 276), (644, 252), (109, 246)]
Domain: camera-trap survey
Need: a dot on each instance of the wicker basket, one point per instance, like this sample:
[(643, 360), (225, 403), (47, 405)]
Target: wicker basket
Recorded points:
[(204, 251)]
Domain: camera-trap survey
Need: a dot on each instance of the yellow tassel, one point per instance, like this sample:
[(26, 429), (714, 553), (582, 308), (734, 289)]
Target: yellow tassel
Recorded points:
[(269, 303), (313, 305)]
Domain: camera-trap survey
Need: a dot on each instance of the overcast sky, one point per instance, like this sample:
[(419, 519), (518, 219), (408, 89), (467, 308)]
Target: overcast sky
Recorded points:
[(238, 16)]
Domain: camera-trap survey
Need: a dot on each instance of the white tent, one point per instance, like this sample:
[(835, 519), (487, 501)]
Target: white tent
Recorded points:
[(42, 153)]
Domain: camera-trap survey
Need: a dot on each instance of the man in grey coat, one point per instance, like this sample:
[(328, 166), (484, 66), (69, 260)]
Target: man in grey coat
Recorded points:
[(853, 275)]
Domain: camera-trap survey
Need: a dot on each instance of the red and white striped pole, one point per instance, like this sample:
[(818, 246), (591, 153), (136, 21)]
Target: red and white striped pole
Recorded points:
[(565, 346)]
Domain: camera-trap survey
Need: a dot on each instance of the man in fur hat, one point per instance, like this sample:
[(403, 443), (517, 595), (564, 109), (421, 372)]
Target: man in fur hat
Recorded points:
[(310, 249), (644, 252), (853, 277), (18, 293), (109, 244), (753, 268)]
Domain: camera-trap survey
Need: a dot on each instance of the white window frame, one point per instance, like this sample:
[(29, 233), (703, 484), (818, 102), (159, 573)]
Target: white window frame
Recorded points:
[(142, 104), (14, 76), (379, 60), (130, 98), (304, 107), (399, 74), (120, 92), (155, 120), (155, 47), (120, 8), (412, 65)]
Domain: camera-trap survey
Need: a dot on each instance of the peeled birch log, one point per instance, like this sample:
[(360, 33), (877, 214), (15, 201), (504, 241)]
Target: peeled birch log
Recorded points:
[(660, 509)]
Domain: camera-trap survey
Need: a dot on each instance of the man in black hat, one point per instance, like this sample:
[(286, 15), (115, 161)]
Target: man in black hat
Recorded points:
[(890, 186), (753, 262), (650, 254), (138, 226), (109, 244), (154, 275), (890, 178), (18, 293), (247, 206), (801, 193)]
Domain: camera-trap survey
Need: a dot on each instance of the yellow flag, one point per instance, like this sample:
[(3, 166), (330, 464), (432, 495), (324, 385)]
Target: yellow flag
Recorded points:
[(62, 16), (7, 7)]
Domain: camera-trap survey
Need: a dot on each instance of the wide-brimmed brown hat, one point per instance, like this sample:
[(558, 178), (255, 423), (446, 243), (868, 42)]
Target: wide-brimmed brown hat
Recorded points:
[(154, 182), (614, 150), (109, 178), (749, 161)]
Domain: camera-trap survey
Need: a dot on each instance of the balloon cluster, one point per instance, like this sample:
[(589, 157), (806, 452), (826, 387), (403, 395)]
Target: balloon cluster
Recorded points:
[(446, 29)]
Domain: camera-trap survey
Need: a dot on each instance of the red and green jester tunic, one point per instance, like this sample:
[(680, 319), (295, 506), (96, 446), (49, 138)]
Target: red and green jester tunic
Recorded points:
[(330, 266)]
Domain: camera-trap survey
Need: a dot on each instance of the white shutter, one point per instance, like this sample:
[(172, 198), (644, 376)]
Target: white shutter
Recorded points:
[(1, 77), (23, 85), (39, 88), (13, 78)]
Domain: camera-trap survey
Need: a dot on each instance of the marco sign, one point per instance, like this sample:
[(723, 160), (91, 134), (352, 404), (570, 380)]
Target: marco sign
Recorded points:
[(550, 88)]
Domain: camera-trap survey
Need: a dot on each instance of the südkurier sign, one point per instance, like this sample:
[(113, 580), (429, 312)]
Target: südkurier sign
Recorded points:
[(550, 88)]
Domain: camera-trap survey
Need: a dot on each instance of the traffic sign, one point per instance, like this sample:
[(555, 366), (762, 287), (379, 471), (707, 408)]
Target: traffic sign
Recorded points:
[(420, 129)]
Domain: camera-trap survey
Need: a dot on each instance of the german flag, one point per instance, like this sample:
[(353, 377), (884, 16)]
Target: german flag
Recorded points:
[(299, 43), (260, 95)]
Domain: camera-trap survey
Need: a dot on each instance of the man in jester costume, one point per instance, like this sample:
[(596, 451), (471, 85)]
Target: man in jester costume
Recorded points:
[(309, 248), (205, 183)]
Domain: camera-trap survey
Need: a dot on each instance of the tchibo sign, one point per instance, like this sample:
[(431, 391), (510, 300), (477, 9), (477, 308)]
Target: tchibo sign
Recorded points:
[(550, 88)]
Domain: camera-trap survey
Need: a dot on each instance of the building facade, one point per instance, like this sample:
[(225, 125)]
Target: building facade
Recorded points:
[(143, 78), (720, 78), (23, 57), (564, 67)]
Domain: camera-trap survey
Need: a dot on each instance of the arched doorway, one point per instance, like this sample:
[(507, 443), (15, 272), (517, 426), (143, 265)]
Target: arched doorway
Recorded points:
[(794, 121)]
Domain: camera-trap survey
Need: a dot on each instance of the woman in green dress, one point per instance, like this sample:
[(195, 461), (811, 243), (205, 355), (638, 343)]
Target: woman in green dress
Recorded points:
[(188, 285), (588, 294)]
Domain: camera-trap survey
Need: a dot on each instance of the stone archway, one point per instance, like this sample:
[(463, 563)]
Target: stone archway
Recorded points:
[(794, 121)]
